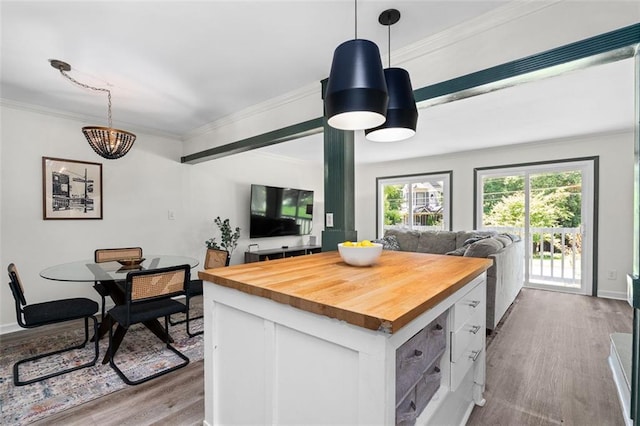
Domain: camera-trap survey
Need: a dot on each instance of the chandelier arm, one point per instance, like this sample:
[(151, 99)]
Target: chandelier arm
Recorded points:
[(97, 89)]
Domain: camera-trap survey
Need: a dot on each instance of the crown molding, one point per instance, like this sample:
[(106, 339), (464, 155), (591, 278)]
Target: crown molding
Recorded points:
[(310, 90), (10, 103)]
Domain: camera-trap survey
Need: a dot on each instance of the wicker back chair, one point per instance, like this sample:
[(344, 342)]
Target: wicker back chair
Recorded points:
[(213, 259), (111, 255), (148, 296), (52, 312)]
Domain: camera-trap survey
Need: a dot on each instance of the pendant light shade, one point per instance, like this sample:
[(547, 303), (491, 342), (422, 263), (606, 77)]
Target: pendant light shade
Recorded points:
[(107, 142), (356, 93), (402, 113)]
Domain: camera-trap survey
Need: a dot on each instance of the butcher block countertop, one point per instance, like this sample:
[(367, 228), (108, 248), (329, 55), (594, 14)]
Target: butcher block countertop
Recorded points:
[(385, 296)]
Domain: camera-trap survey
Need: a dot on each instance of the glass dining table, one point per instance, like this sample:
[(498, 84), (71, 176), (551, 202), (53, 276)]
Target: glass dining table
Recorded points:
[(110, 274)]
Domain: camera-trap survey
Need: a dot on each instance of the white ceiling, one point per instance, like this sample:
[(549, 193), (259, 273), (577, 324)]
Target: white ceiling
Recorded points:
[(176, 66)]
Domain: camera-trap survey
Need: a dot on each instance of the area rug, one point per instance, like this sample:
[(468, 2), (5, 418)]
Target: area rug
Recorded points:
[(141, 353)]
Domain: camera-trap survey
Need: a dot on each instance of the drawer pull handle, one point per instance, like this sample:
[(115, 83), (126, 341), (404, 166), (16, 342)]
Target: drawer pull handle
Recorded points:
[(438, 327), (474, 355), (474, 303), (417, 353), (475, 329)]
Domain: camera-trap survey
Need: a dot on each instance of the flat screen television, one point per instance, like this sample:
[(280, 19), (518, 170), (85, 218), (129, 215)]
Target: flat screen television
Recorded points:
[(277, 212)]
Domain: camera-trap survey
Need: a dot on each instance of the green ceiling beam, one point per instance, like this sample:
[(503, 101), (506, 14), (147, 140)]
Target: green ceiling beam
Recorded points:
[(284, 134), (603, 43)]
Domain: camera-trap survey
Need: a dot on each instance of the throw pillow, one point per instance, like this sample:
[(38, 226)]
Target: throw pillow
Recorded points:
[(483, 248), (506, 241), (474, 239), (457, 252), (389, 242), (513, 237)]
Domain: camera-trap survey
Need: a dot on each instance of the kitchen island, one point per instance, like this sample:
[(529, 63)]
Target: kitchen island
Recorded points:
[(312, 340)]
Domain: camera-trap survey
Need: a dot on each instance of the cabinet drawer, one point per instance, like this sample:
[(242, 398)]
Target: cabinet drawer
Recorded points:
[(464, 336), (467, 360), (418, 397), (464, 308), (418, 354)]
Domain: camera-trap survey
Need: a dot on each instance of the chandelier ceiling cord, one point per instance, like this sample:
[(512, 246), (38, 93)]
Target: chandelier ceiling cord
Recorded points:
[(107, 142)]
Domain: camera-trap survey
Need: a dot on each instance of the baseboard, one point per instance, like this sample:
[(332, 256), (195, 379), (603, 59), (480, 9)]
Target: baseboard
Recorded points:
[(9, 328), (619, 295)]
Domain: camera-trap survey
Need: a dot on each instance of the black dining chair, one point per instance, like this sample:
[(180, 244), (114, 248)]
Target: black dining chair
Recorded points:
[(214, 259), (149, 295), (52, 312), (110, 255)]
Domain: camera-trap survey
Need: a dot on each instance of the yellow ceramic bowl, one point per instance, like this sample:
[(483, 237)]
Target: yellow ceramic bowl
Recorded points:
[(360, 256)]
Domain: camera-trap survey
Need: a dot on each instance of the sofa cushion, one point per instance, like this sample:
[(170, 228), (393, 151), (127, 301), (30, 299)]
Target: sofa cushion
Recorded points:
[(484, 248), (389, 242), (436, 242), (407, 239)]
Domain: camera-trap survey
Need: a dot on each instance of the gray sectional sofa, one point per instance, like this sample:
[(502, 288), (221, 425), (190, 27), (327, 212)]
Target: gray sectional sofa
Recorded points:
[(504, 278)]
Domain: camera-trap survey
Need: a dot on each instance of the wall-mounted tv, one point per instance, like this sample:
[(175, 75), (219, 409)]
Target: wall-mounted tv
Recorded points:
[(277, 212)]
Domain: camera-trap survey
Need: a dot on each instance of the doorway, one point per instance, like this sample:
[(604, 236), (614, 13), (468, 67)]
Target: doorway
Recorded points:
[(551, 207)]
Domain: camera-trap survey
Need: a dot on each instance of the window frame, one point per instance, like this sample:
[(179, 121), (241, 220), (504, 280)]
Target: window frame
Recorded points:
[(445, 176)]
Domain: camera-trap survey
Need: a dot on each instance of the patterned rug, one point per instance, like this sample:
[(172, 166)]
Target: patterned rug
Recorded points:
[(140, 354)]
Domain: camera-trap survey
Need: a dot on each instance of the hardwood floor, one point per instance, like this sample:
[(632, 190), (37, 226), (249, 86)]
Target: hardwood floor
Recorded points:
[(546, 365)]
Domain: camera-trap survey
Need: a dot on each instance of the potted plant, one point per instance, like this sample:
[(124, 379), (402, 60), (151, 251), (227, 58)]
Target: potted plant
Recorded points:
[(228, 237)]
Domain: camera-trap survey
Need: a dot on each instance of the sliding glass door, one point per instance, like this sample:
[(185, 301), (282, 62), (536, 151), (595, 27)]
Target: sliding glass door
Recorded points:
[(550, 206)]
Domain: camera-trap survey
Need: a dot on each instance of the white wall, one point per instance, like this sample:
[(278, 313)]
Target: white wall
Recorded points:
[(222, 188), (615, 239), (138, 191)]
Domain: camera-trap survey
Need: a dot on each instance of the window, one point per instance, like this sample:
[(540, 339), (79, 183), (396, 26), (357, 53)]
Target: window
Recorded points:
[(420, 202)]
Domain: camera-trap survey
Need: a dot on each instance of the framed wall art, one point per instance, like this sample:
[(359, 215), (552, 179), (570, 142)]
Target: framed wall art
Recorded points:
[(71, 189)]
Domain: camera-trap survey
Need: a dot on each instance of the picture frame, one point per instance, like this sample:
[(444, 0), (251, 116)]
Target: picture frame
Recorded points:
[(71, 189)]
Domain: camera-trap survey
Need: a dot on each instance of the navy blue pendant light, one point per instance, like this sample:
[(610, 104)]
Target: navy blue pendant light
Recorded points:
[(356, 92), (402, 113)]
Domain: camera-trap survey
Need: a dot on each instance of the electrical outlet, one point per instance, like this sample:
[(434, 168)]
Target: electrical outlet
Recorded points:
[(171, 215), (612, 274), (329, 220)]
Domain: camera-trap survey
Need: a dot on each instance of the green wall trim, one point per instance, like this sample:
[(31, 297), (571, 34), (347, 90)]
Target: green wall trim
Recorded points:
[(284, 134)]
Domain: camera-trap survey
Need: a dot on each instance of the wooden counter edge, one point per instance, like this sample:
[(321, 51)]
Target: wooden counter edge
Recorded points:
[(356, 318)]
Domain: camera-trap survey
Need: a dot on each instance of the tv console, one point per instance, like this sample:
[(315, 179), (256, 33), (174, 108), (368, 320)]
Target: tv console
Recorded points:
[(279, 253)]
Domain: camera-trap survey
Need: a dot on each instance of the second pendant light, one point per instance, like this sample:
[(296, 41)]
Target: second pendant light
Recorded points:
[(402, 113)]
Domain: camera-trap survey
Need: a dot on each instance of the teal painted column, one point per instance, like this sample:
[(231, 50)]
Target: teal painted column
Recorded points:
[(339, 194)]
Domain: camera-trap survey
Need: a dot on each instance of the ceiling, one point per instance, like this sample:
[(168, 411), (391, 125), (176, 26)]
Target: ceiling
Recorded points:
[(176, 66)]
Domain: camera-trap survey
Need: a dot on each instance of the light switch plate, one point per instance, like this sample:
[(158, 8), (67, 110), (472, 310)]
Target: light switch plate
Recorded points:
[(329, 220)]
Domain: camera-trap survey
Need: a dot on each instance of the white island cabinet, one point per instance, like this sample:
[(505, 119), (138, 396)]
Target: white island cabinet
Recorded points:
[(311, 340)]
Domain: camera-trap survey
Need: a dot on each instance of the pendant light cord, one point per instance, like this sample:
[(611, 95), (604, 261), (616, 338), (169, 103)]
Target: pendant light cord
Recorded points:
[(86, 86), (389, 41), (356, 19)]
